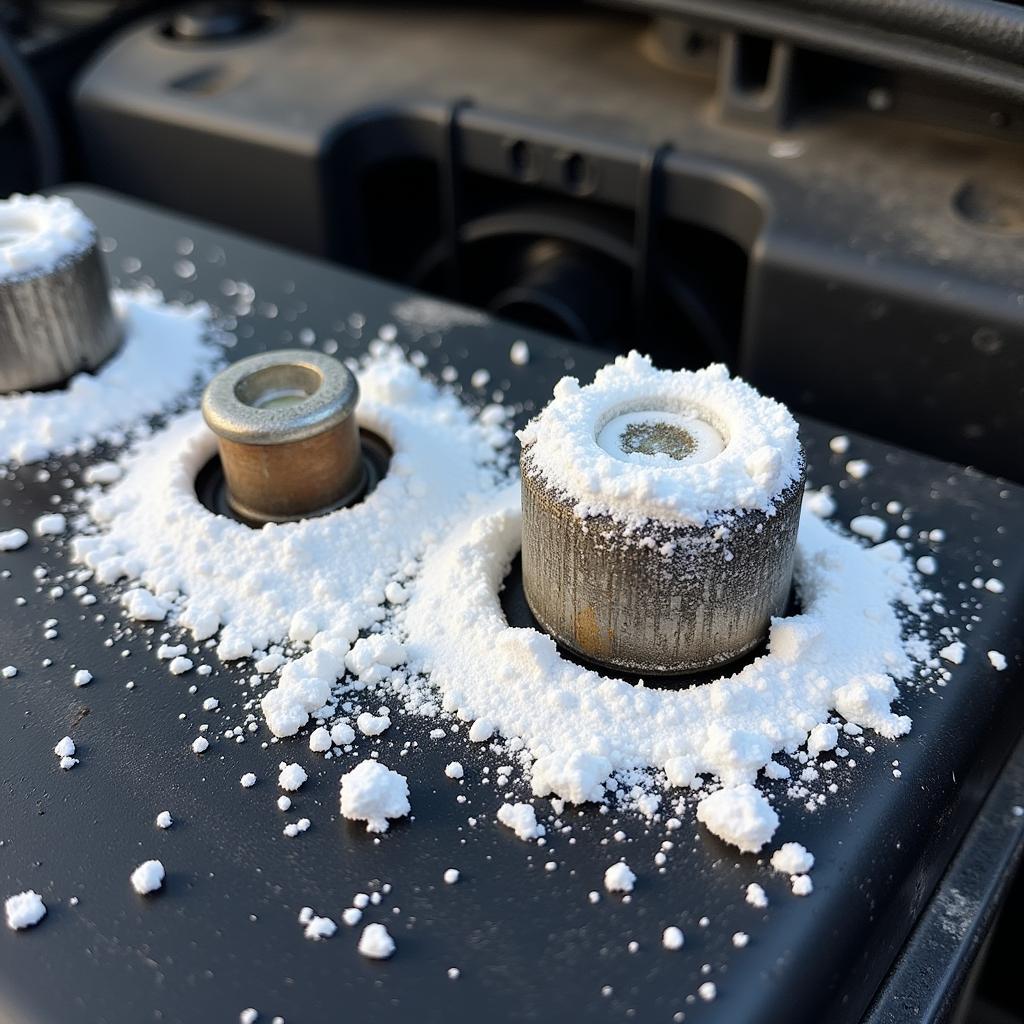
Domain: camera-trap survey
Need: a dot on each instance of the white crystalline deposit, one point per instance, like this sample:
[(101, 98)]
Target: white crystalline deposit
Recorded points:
[(260, 587), (376, 943), (845, 651), (740, 815), (372, 725), (755, 896), (871, 527), (148, 877), (51, 525), (24, 909), (374, 793), (792, 859), (954, 652), (319, 928), (291, 776), (38, 233), (762, 455), (13, 540), (522, 819), (619, 878), (164, 352), (576, 776)]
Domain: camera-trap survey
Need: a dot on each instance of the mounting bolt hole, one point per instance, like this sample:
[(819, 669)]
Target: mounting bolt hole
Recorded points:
[(576, 173), (520, 159)]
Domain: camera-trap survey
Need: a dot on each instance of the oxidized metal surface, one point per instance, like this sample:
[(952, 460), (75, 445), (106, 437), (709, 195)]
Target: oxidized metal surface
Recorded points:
[(288, 437), (615, 598), (56, 324)]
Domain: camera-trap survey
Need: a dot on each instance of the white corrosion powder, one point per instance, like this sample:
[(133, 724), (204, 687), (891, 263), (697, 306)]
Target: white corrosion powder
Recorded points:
[(291, 776), (845, 651), (740, 815), (374, 793), (761, 454), (262, 586), (148, 877), (165, 350), (619, 878), (672, 938), (376, 943), (522, 819), (756, 896), (12, 540), (24, 909), (38, 233), (792, 859)]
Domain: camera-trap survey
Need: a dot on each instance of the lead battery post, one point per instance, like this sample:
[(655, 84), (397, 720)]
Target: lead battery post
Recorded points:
[(56, 317), (287, 434), (660, 512)]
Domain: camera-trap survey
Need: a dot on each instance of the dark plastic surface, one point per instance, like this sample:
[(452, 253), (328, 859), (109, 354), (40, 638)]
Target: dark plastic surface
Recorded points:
[(223, 933), (792, 217)]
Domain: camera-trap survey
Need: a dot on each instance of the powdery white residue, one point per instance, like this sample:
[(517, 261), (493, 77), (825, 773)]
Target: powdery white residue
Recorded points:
[(954, 652), (12, 540), (319, 928), (844, 651), (708, 991), (672, 938), (519, 353), (762, 457), (871, 527), (38, 233), (165, 350), (374, 793), (291, 776), (802, 885), (740, 815), (619, 878), (522, 819), (756, 896), (258, 585), (792, 859), (50, 525), (576, 775), (24, 909), (376, 942), (997, 660), (148, 877)]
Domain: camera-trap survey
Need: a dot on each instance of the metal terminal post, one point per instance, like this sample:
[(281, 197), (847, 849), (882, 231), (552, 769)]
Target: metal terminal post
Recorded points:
[(55, 316), (286, 427)]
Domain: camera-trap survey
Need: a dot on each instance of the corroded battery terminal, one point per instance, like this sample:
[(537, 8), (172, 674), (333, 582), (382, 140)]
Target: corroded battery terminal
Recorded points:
[(56, 317), (660, 513), (288, 437)]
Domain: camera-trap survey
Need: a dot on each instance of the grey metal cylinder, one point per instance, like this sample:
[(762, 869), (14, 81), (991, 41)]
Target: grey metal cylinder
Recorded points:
[(676, 599), (56, 317), (287, 433)]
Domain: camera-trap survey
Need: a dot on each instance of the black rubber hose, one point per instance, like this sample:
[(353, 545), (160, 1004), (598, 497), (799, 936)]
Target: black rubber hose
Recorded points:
[(35, 110)]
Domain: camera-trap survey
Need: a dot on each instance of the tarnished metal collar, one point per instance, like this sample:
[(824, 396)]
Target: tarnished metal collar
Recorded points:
[(280, 397)]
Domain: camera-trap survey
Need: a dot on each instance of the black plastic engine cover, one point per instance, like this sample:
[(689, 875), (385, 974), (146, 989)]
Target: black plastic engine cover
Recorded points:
[(861, 267)]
